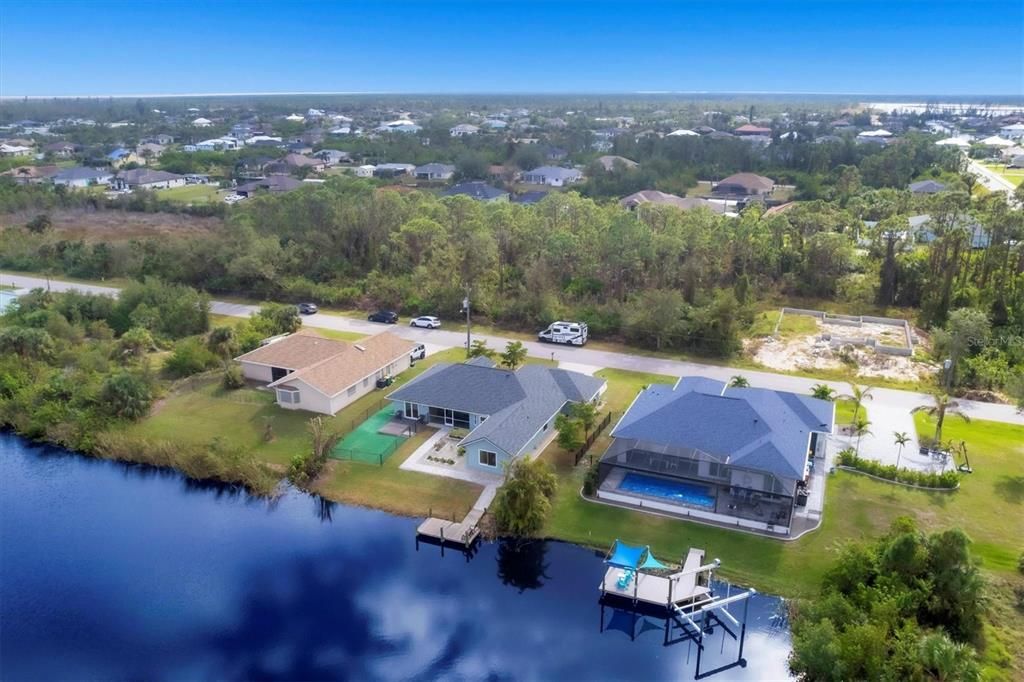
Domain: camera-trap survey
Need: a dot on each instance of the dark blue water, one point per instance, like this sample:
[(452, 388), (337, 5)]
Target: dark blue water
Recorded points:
[(110, 572)]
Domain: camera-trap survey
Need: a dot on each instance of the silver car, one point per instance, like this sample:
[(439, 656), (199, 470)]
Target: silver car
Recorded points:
[(425, 321)]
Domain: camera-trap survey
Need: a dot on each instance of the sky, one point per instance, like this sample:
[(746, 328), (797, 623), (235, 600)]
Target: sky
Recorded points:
[(906, 47)]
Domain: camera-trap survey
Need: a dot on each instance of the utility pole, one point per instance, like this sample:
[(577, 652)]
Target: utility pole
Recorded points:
[(465, 307)]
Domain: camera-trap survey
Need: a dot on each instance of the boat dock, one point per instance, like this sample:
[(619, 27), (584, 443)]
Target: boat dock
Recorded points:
[(635, 581), (689, 587), (460, 533)]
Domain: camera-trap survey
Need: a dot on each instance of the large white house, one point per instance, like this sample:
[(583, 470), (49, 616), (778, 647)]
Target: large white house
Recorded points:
[(309, 372), (552, 175), (1012, 132)]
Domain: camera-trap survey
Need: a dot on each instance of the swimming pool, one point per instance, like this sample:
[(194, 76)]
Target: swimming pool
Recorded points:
[(6, 298), (675, 491)]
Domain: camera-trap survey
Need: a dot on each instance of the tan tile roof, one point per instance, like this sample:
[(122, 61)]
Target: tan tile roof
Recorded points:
[(295, 351), (357, 360)]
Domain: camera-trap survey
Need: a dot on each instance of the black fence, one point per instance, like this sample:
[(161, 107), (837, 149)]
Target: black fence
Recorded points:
[(591, 437)]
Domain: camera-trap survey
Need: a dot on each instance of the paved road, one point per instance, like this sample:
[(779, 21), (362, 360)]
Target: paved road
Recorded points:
[(885, 399), (993, 182)]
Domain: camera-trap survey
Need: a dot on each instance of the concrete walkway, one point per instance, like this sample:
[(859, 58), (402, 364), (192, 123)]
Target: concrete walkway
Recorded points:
[(884, 398), (417, 461)]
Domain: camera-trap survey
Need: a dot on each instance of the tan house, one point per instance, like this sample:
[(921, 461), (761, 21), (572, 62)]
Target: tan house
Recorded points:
[(309, 372)]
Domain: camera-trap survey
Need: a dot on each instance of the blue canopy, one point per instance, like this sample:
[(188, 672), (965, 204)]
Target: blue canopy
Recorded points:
[(651, 562), (627, 556)]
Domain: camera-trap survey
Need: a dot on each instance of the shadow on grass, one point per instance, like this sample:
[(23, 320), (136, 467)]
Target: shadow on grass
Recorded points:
[(1010, 488)]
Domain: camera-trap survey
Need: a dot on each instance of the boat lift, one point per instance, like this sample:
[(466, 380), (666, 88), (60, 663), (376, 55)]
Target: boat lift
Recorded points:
[(683, 598)]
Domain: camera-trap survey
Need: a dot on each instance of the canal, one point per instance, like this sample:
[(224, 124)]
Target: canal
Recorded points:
[(113, 571)]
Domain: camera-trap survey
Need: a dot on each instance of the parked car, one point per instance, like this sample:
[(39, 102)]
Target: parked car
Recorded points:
[(419, 352), (308, 309), (386, 316), (426, 321)]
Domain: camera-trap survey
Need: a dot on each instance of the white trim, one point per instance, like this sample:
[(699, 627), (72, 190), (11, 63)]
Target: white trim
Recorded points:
[(479, 458)]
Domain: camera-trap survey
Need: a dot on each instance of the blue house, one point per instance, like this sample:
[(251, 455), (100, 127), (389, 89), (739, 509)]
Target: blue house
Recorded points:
[(738, 456), (507, 413)]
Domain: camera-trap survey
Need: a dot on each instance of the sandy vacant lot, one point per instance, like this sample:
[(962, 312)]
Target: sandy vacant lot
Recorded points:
[(809, 351), (112, 225)]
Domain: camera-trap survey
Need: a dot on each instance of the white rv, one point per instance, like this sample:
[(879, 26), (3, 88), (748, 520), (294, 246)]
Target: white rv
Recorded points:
[(574, 333)]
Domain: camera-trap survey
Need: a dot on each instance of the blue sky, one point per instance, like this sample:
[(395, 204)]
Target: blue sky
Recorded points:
[(825, 46)]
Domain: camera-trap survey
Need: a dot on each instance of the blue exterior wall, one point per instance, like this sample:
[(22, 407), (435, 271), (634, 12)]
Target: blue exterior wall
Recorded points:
[(473, 456)]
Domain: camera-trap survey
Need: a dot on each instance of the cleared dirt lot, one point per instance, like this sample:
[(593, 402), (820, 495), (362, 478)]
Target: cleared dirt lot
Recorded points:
[(112, 225), (800, 350)]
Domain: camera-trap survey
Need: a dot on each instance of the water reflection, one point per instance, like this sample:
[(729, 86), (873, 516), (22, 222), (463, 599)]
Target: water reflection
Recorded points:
[(134, 573), (522, 565)]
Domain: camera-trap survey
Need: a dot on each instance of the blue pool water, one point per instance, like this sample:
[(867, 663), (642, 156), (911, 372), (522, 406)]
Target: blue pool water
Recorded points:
[(6, 297), (675, 491)]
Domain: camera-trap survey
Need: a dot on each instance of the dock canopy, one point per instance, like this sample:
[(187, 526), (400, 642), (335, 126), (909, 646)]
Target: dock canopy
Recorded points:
[(632, 556)]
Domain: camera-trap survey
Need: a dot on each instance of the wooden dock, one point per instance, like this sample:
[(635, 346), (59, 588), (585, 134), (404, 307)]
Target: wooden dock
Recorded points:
[(463, 533)]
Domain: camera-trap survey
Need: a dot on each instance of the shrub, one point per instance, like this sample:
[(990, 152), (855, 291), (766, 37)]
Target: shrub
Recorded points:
[(233, 378), (190, 356), (946, 480), (590, 482), (126, 395)]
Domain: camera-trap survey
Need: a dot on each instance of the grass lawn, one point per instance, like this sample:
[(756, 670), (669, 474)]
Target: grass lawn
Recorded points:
[(190, 194), (397, 491), (1013, 175), (201, 414), (844, 411), (989, 507), (232, 321)]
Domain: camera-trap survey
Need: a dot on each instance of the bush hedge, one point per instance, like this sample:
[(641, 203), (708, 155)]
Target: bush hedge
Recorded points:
[(946, 480)]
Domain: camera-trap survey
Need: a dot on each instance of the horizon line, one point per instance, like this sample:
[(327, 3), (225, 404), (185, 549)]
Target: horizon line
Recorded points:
[(507, 92)]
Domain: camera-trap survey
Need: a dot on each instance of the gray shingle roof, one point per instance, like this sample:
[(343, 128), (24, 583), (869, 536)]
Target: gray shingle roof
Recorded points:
[(474, 189), (755, 428), (517, 404)]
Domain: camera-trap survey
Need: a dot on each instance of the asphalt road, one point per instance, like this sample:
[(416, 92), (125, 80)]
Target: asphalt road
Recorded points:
[(993, 182), (885, 399)]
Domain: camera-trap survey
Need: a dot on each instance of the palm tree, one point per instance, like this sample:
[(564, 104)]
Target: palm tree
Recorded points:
[(860, 428), (901, 439), (858, 395), (739, 381), (823, 392), (945, 659), (941, 406)]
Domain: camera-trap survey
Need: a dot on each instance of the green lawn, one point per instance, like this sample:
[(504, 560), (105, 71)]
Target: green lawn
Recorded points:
[(190, 194), (844, 411), (1014, 175), (232, 321), (241, 417), (989, 507), (400, 492)]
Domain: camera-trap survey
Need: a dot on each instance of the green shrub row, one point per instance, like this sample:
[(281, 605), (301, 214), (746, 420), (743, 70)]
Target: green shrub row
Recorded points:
[(946, 480)]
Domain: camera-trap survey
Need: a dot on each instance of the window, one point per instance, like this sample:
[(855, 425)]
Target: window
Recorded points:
[(288, 395), (352, 389), (545, 426), (488, 458), (716, 470), (412, 410), (366, 382)]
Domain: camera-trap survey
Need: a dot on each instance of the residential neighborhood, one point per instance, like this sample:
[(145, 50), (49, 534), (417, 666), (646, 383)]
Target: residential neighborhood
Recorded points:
[(481, 341)]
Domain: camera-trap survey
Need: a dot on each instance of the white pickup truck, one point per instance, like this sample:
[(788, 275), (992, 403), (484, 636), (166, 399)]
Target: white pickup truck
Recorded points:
[(572, 333)]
